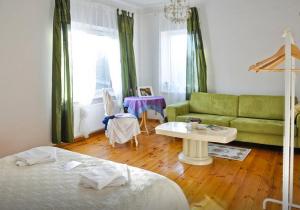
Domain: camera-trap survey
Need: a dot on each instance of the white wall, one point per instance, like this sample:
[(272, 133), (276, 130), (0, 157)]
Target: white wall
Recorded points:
[(236, 35), (148, 49), (25, 74)]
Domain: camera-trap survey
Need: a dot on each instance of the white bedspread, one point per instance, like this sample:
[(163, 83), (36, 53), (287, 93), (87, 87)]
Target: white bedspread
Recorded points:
[(49, 186)]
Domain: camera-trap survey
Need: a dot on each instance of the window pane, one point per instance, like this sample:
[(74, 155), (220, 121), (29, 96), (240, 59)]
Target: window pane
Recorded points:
[(103, 79), (95, 59), (173, 61)]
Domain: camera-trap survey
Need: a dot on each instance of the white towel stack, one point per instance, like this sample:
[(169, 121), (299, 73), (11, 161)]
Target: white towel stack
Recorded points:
[(106, 175), (36, 156)]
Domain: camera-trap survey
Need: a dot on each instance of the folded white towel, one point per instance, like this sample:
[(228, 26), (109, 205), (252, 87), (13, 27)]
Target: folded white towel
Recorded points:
[(36, 156), (106, 175), (122, 180)]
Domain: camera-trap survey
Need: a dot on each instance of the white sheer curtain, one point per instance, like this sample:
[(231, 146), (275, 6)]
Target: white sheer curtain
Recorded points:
[(172, 57), (95, 55), (95, 50)]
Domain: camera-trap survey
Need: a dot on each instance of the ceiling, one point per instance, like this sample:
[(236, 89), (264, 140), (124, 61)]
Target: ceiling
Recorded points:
[(145, 3)]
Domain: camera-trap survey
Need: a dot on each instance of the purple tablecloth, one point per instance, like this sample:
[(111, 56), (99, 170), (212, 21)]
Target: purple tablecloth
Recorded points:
[(138, 105)]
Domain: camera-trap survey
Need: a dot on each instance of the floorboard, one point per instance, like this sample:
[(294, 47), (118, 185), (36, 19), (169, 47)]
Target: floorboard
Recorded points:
[(234, 185)]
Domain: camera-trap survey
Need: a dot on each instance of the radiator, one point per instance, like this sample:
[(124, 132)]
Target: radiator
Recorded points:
[(88, 119)]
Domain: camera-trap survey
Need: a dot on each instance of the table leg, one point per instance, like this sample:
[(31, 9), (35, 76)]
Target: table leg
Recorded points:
[(136, 141), (144, 122), (195, 152)]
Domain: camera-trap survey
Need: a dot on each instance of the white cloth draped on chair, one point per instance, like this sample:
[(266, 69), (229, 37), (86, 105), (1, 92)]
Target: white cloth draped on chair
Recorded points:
[(123, 127), (108, 103)]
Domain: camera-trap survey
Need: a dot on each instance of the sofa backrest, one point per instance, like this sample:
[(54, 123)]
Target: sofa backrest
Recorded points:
[(263, 107), (218, 104)]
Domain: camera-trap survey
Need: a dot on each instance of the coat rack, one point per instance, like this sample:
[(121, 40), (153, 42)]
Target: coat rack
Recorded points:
[(285, 55)]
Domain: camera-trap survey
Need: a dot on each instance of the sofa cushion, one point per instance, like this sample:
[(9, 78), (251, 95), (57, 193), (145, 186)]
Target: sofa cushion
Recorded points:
[(262, 107), (217, 104), (207, 119), (274, 127)]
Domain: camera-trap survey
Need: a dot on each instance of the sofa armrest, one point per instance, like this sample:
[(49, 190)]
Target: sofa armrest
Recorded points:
[(174, 110), (298, 120), (297, 141)]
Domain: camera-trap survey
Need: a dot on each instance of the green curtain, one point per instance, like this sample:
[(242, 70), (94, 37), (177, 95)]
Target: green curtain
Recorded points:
[(126, 30), (196, 76), (62, 95)]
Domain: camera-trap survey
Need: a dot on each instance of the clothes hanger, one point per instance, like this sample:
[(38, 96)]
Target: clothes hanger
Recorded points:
[(271, 64)]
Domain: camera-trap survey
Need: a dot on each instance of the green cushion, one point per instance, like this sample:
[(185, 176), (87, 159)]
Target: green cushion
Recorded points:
[(262, 107), (216, 104), (274, 127), (207, 118)]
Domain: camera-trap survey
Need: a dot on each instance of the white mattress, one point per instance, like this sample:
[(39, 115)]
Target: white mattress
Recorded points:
[(49, 186)]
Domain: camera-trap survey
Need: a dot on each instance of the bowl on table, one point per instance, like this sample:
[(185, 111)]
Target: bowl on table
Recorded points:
[(192, 123)]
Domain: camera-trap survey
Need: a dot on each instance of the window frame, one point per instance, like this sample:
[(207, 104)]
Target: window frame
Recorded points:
[(98, 31), (169, 34)]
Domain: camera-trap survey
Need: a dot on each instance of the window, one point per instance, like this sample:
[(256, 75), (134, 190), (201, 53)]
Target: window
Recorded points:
[(96, 63), (173, 61)]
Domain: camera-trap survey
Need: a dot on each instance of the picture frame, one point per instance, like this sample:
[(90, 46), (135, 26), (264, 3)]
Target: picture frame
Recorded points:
[(145, 91)]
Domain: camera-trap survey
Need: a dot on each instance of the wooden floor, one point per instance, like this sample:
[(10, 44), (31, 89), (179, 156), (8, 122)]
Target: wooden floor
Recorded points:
[(233, 185)]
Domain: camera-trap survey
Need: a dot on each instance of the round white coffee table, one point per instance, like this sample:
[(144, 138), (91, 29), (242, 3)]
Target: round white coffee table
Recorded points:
[(195, 141), (195, 152)]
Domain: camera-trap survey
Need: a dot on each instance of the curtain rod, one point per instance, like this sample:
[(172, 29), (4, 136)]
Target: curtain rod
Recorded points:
[(111, 4), (120, 11)]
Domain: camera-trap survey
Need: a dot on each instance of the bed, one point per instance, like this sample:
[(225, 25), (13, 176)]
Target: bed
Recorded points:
[(49, 186)]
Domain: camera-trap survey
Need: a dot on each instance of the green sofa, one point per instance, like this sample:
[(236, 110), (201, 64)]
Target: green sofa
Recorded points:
[(258, 119)]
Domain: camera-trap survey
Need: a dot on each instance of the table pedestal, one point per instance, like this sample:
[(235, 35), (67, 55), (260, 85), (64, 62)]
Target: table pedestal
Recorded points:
[(195, 152)]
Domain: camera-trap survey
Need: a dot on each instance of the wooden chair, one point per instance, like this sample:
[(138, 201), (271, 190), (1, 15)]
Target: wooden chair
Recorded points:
[(123, 127)]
